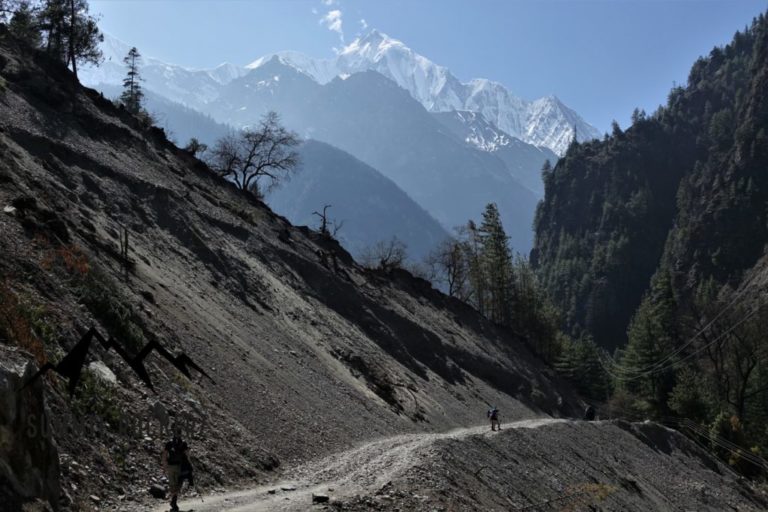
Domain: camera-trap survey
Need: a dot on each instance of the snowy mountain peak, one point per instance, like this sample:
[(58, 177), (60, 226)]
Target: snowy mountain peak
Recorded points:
[(320, 70), (373, 46), (226, 72)]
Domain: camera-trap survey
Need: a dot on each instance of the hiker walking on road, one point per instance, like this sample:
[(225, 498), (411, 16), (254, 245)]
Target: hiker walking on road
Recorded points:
[(493, 415), (174, 457)]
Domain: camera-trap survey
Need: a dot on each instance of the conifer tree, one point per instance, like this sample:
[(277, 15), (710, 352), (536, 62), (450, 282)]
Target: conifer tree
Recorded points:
[(24, 25), (71, 34), (497, 265), (132, 95), (647, 367), (579, 362)]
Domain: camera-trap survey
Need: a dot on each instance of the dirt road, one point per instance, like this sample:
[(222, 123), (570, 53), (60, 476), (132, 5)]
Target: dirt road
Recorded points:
[(359, 471)]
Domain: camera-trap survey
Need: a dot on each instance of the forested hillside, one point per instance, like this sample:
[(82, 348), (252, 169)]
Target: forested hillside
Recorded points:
[(685, 184), (652, 242)]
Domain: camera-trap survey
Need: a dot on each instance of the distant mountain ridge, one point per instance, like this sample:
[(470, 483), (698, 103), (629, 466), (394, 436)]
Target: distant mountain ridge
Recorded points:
[(543, 122), (523, 160)]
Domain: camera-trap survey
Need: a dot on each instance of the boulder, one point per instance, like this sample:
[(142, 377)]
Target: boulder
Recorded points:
[(102, 372), (29, 460)]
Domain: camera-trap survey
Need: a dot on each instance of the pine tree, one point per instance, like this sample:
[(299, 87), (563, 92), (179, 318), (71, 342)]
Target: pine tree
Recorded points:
[(71, 34), (579, 362), (24, 25), (497, 265), (646, 369), (132, 95), (52, 19)]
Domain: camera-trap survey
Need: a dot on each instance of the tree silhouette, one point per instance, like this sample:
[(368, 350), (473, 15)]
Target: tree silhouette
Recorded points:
[(132, 95), (254, 155)]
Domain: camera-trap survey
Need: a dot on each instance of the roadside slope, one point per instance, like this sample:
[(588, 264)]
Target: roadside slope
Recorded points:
[(309, 352)]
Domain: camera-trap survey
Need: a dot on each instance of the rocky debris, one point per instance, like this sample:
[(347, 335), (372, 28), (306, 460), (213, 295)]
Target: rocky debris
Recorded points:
[(29, 462)]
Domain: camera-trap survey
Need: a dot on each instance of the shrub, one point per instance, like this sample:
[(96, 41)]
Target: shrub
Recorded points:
[(22, 325)]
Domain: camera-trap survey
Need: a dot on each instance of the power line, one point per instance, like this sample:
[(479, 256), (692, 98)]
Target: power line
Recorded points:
[(701, 331), (658, 369)]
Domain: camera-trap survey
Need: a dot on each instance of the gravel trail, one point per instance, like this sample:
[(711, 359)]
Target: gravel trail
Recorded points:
[(358, 471)]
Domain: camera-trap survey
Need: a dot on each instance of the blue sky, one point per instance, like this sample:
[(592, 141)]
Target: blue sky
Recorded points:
[(601, 57)]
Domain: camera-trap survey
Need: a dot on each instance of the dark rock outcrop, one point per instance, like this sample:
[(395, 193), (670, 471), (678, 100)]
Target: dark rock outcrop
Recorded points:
[(29, 463)]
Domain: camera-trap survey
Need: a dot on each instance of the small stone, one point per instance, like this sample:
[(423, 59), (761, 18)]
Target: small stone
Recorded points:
[(288, 487), (10, 210), (320, 498), (95, 498), (272, 491)]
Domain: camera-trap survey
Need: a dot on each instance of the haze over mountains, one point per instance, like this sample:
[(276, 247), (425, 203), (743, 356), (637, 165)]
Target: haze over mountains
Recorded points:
[(452, 147)]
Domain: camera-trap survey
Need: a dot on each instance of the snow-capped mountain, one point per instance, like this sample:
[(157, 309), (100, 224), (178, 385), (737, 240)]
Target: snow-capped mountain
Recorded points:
[(543, 122), (190, 87)]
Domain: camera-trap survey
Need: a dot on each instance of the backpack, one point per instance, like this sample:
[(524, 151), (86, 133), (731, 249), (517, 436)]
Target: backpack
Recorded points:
[(493, 413), (176, 448), (187, 472)]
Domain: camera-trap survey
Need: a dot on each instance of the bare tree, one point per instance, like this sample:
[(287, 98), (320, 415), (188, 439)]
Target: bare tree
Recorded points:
[(254, 155), (328, 227), (385, 255), (323, 219), (449, 264)]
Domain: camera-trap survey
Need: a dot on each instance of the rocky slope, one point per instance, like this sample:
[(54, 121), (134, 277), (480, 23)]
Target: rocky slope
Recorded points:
[(308, 352), (569, 466)]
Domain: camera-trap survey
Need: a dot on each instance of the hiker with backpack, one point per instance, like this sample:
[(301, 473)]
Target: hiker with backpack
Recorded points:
[(174, 460), (493, 415)]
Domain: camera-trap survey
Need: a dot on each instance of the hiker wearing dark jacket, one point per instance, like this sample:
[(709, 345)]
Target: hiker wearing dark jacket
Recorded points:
[(493, 415), (174, 457)]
